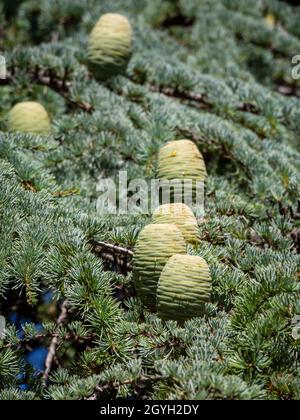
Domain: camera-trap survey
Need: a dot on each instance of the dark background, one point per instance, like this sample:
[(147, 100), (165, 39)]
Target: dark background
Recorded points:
[(10, 6)]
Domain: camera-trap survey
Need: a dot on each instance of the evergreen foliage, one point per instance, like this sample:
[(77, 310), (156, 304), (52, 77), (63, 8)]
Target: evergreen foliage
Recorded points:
[(217, 72)]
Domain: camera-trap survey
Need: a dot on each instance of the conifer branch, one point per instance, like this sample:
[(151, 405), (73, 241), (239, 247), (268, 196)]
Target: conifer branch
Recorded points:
[(54, 343), (100, 390), (115, 248), (114, 254), (197, 100), (180, 85), (58, 85)]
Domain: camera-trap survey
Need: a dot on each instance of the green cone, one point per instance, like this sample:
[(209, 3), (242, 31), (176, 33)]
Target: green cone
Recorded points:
[(181, 159), (180, 215), (110, 45), (29, 117), (183, 288), (155, 245), (182, 163)]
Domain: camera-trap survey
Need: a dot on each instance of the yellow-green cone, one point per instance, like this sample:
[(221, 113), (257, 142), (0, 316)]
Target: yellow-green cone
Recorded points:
[(183, 288), (181, 160), (180, 215), (29, 117), (155, 245), (110, 45)]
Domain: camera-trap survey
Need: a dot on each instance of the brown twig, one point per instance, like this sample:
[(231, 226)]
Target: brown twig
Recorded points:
[(115, 248), (288, 89), (198, 100), (295, 235), (27, 341), (54, 342), (115, 254), (62, 87)]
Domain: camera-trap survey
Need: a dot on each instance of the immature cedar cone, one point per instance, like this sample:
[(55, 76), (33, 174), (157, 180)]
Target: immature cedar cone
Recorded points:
[(180, 215), (29, 117), (182, 163), (110, 45), (181, 159), (183, 288), (155, 245)]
